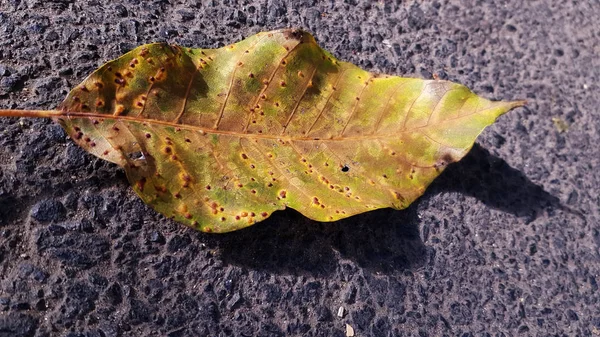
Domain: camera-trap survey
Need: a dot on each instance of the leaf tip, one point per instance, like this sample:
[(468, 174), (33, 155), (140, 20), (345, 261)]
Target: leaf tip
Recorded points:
[(519, 103)]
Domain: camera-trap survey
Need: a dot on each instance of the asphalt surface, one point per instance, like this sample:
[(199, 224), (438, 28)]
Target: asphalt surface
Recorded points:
[(504, 243)]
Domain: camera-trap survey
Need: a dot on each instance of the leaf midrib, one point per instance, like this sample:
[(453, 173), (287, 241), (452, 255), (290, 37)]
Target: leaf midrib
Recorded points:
[(79, 115)]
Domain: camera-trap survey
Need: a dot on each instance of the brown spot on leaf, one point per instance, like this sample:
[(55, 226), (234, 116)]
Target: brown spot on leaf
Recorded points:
[(140, 184)]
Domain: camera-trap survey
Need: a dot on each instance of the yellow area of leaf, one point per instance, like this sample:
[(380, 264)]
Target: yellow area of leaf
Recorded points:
[(219, 139)]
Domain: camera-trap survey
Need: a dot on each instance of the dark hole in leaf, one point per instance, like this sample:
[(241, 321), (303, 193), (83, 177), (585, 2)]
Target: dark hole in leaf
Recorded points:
[(345, 168), (136, 155)]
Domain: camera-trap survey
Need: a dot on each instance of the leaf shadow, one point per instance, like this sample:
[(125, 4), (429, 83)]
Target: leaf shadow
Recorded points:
[(384, 241), (492, 181)]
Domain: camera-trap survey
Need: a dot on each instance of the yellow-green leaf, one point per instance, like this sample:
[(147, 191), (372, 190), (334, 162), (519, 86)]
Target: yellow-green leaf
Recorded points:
[(219, 139)]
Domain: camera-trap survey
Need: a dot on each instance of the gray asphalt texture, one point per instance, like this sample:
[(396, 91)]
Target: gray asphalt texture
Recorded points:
[(504, 243)]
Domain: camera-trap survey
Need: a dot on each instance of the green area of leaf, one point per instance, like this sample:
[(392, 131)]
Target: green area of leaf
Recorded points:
[(219, 139)]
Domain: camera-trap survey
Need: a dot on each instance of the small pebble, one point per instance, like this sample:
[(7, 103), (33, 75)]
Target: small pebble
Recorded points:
[(349, 331)]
